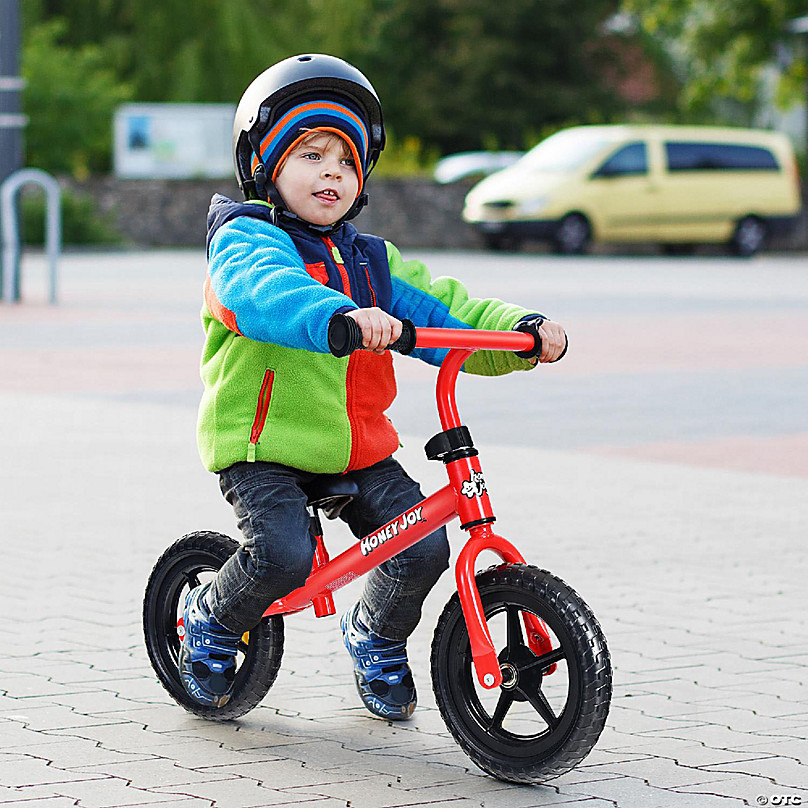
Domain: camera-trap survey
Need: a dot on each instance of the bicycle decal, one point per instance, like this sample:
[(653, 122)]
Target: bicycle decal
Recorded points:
[(377, 539), (475, 487)]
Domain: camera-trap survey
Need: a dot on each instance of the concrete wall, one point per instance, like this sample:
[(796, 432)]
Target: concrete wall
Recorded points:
[(408, 212)]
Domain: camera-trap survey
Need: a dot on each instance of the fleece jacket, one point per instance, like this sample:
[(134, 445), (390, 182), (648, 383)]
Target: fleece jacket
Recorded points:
[(272, 390)]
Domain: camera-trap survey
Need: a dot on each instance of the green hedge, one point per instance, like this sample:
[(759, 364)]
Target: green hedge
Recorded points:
[(81, 222)]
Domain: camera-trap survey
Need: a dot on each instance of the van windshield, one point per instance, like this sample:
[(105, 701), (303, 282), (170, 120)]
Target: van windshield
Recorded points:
[(563, 152)]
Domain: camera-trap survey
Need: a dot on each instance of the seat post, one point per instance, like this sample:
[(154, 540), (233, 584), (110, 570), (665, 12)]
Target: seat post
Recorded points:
[(323, 604)]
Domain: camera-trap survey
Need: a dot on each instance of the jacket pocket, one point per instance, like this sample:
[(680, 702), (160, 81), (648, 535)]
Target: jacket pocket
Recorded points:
[(261, 412)]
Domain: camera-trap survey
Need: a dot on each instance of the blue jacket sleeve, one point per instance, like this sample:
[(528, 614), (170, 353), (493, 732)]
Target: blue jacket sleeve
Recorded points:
[(257, 276)]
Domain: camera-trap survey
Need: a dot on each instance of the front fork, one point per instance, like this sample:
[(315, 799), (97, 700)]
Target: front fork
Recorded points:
[(486, 663), (476, 516)]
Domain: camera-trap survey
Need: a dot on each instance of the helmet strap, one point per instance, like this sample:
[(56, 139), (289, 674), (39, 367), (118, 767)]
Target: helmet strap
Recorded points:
[(357, 206), (260, 180)]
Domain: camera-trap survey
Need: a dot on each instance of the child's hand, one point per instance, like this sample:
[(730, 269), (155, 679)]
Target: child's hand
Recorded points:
[(379, 328), (553, 341)]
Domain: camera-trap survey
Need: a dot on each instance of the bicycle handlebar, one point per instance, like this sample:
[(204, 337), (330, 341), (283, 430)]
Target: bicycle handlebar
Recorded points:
[(345, 337)]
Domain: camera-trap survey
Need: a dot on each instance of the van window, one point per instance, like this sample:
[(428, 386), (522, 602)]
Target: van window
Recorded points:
[(631, 159), (563, 152), (718, 157)]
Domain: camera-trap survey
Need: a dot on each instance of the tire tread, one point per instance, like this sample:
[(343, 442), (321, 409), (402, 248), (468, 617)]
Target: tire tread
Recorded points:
[(595, 673), (268, 634)]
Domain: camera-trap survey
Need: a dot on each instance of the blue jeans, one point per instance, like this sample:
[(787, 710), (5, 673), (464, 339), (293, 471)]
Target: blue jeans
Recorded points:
[(276, 555)]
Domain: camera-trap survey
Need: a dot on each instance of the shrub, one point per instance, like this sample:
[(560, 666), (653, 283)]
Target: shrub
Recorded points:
[(81, 222)]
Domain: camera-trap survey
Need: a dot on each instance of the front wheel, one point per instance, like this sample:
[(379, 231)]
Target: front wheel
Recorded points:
[(749, 237), (190, 561), (573, 235), (550, 709)]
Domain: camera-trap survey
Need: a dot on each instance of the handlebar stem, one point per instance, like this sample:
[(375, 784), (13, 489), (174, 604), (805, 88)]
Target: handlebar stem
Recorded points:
[(462, 343), (445, 389)]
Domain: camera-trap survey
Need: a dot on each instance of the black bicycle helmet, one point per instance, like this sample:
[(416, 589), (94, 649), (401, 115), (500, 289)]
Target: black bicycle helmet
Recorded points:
[(272, 107)]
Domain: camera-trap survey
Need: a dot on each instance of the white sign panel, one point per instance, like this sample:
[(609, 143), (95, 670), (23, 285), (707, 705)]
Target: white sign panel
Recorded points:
[(174, 141)]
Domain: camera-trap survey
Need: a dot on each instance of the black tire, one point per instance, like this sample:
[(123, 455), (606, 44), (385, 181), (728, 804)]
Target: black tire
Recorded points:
[(532, 748), (573, 235), (749, 238), (189, 561)]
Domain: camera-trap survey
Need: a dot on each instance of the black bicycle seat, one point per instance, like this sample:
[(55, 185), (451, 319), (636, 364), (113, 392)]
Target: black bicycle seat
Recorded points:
[(330, 493)]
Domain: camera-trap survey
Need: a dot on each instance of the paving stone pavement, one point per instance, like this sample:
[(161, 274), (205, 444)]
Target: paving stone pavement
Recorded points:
[(698, 576)]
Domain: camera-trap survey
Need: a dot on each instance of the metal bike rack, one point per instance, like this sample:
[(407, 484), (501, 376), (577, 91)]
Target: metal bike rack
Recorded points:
[(9, 225)]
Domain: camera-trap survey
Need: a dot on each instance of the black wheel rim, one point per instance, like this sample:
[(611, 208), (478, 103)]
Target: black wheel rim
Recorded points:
[(544, 722), (171, 584)]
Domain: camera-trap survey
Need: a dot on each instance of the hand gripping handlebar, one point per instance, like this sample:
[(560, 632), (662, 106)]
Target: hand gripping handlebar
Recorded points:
[(345, 336)]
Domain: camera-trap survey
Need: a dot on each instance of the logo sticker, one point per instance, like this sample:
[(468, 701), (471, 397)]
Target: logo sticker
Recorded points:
[(407, 520), (475, 487)]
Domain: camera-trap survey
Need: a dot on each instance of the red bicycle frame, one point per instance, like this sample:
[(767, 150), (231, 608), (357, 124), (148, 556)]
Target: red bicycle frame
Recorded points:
[(465, 497)]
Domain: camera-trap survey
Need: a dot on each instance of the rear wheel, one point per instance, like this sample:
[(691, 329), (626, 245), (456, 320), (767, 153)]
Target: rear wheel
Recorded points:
[(192, 560), (749, 237), (573, 235), (551, 708)]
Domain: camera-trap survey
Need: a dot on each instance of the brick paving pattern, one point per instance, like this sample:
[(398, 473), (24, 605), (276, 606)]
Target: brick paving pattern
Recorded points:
[(689, 548)]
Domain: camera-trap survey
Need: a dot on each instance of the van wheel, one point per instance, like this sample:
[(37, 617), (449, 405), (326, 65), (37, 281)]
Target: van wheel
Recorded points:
[(749, 237), (573, 235)]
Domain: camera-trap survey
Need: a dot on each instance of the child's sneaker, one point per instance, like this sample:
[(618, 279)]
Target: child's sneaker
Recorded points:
[(382, 674), (207, 660)]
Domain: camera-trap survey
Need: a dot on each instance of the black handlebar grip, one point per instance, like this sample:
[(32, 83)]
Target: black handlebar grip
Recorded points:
[(530, 327), (344, 335), (405, 344)]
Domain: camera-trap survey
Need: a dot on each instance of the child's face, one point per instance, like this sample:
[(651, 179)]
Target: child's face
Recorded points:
[(318, 181)]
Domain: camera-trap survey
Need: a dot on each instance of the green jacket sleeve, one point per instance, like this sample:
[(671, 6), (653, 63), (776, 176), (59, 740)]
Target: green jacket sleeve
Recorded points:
[(445, 303)]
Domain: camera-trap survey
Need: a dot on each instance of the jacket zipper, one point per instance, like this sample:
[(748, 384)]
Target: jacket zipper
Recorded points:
[(370, 285), (343, 272), (260, 413)]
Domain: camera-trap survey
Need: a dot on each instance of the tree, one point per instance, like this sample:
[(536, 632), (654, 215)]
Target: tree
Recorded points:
[(722, 48), (70, 97), (466, 74), (452, 74)]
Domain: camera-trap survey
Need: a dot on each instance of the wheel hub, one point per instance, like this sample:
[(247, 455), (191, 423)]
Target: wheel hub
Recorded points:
[(519, 674), (510, 676)]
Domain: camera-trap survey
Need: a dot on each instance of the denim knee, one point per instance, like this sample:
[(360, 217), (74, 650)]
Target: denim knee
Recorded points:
[(291, 564)]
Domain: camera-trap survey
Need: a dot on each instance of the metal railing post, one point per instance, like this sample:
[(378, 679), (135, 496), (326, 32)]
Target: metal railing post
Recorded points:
[(9, 226)]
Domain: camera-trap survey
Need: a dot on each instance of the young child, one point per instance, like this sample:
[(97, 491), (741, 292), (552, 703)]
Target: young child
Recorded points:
[(279, 409)]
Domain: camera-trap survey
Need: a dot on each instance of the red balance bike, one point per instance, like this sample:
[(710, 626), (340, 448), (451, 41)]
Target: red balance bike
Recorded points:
[(520, 668)]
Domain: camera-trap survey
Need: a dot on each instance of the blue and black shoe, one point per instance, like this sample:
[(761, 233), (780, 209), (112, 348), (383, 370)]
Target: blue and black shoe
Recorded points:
[(383, 676), (207, 660)]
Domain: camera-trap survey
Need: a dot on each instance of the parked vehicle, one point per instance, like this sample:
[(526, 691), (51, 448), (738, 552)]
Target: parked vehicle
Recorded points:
[(675, 185), (470, 164)]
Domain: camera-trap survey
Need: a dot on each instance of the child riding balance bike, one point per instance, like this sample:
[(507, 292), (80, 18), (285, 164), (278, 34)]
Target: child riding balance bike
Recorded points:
[(299, 311)]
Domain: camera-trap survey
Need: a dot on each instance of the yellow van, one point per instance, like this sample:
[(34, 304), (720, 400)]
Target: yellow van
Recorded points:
[(675, 185)]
